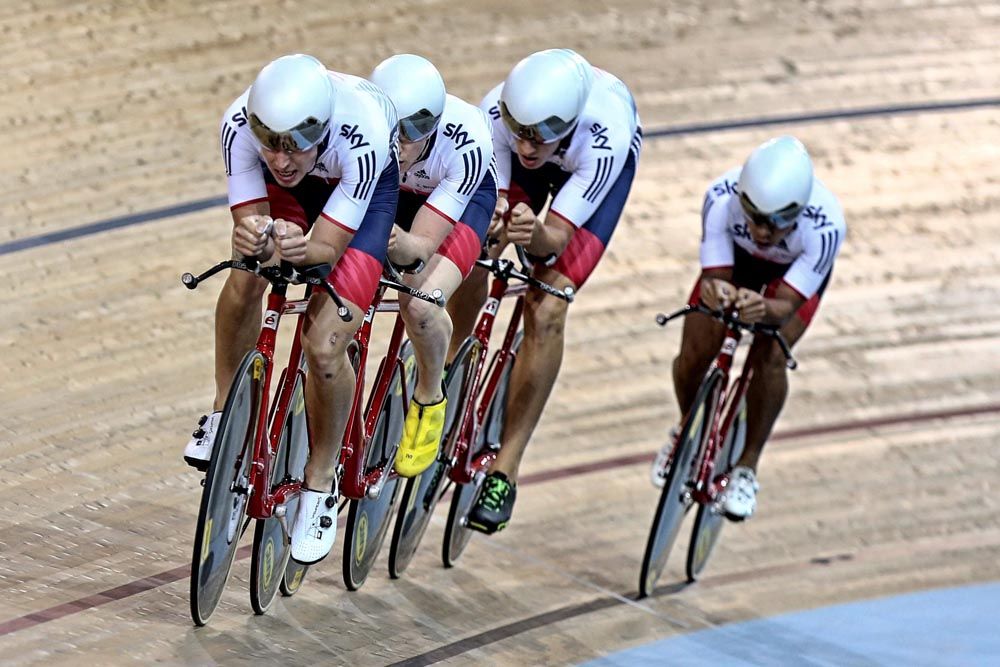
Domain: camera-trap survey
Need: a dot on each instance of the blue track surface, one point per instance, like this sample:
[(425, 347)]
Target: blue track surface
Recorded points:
[(958, 626)]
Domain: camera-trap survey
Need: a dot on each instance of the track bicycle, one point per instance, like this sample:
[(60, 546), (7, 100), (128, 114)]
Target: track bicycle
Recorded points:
[(477, 397), (711, 437), (369, 482), (261, 447)]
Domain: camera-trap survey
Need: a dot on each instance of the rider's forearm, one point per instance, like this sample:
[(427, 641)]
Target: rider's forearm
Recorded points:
[(548, 240), (321, 252), (412, 248)]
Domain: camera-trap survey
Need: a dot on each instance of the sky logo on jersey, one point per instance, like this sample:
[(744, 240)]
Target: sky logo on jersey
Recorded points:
[(819, 219), (724, 188), (600, 136), (741, 230), (457, 134), (355, 138)]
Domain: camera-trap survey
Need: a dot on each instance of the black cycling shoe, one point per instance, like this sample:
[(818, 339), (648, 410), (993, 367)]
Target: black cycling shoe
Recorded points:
[(493, 508)]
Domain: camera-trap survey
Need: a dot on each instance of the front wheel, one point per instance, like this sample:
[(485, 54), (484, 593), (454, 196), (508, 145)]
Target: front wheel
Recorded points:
[(422, 492), (709, 520), (368, 518), (675, 499), (271, 549), (226, 486), (489, 435)]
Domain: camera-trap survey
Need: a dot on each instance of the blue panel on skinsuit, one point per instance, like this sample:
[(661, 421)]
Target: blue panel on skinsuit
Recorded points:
[(957, 626)]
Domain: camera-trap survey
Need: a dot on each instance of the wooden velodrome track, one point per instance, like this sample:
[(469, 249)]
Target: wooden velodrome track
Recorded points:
[(882, 480)]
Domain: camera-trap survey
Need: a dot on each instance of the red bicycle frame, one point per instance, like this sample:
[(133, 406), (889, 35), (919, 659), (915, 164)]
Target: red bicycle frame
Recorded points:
[(465, 467), (708, 488), (262, 500), (355, 483)]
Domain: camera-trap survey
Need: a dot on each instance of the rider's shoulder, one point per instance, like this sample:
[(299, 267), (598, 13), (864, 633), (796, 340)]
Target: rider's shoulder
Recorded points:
[(725, 185), (491, 102), (363, 116), (464, 124), (235, 115), (824, 212)]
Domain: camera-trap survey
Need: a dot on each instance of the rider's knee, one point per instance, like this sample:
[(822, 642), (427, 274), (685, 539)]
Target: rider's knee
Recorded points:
[(242, 287), (421, 316), (769, 359), (325, 351), (696, 353), (547, 314)]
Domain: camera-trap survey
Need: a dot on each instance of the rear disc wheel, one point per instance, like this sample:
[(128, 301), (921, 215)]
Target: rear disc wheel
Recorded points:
[(368, 519), (709, 520), (456, 534), (422, 492), (271, 548)]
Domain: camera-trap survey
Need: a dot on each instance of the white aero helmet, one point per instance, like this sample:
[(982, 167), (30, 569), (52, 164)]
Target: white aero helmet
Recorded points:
[(290, 103), (545, 94), (776, 182), (417, 91)]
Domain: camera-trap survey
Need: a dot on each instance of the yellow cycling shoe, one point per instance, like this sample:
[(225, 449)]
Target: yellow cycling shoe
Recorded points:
[(421, 437)]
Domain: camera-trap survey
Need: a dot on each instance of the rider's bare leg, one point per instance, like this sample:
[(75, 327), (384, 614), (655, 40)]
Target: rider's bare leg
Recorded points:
[(535, 371), (701, 339), (464, 306), (329, 386), (237, 325), (767, 391), (429, 326)]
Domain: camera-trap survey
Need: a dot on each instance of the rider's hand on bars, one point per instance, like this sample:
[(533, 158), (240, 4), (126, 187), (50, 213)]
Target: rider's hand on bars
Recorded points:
[(290, 241), (521, 227), (251, 236)]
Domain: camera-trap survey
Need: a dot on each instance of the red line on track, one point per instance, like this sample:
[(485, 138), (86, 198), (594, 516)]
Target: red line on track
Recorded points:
[(178, 573)]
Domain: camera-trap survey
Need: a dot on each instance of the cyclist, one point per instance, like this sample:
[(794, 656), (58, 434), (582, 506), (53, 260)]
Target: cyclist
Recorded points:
[(564, 128), (770, 234), (306, 149), (447, 196)]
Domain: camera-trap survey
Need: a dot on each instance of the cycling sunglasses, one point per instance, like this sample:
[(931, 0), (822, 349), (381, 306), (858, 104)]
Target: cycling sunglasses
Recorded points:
[(418, 125), (782, 220), (302, 137), (551, 129)]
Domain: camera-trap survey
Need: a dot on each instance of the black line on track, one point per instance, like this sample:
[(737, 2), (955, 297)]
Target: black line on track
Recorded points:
[(679, 130)]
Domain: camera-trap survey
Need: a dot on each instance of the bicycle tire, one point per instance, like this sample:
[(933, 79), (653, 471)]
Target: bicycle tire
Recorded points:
[(422, 493), (709, 520), (456, 534), (368, 519), (675, 499), (221, 513), (295, 572), (271, 548)]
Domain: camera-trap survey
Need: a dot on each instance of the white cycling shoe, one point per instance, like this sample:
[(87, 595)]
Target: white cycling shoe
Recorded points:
[(658, 471), (740, 497), (198, 451), (315, 527)]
